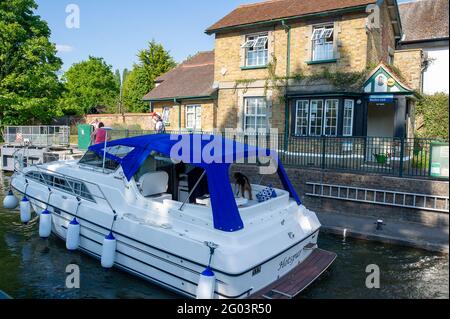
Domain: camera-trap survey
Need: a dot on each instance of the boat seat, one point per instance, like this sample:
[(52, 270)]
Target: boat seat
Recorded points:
[(153, 184)]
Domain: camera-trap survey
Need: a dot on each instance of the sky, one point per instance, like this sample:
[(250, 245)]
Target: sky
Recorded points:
[(117, 29)]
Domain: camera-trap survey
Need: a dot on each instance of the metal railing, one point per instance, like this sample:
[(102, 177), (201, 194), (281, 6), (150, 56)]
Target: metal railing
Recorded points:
[(403, 157), (93, 193), (37, 135)]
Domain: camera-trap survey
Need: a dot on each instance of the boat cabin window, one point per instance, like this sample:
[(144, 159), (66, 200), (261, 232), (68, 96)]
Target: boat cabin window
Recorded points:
[(66, 184), (94, 160)]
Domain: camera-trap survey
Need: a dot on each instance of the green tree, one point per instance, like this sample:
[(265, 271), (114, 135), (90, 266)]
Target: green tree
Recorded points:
[(121, 80), (136, 85), (89, 85), (29, 85), (153, 62), (124, 75), (432, 116), (118, 78)]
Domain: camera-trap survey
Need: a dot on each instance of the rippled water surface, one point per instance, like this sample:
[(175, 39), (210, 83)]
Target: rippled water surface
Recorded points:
[(34, 268)]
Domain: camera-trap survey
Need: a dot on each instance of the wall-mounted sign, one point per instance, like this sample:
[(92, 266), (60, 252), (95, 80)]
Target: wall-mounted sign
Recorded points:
[(381, 98)]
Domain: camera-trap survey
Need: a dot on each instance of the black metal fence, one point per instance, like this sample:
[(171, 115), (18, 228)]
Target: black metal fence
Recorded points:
[(377, 155)]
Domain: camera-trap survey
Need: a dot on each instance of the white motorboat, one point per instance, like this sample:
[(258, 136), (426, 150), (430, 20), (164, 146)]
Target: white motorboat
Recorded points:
[(181, 225)]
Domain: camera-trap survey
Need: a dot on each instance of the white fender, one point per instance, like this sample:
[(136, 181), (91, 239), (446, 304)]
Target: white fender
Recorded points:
[(109, 251), (10, 201), (25, 210), (73, 235), (45, 224), (206, 285)]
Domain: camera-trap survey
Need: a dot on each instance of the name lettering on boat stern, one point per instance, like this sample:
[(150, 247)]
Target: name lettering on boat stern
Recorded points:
[(289, 260)]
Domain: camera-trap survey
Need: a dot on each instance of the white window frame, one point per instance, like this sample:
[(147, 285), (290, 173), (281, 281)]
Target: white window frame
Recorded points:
[(321, 117), (197, 114), (297, 118), (166, 115), (251, 41), (257, 115), (351, 118), (319, 37), (325, 117)]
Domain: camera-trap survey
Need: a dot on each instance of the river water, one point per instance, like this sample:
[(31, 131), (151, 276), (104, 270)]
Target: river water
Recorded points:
[(34, 268)]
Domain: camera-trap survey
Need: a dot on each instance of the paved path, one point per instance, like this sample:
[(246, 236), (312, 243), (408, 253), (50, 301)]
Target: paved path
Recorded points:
[(400, 233)]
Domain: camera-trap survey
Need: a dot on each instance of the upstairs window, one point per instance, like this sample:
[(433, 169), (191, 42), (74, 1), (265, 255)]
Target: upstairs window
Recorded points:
[(323, 43), (256, 50)]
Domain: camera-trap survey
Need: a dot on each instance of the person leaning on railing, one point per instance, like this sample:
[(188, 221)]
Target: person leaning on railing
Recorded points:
[(100, 134)]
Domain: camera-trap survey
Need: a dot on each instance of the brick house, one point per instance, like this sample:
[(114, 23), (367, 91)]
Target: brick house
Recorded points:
[(308, 68), (185, 96)]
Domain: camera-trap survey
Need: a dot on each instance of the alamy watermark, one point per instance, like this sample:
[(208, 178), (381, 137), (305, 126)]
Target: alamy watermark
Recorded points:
[(373, 279), (238, 147), (73, 277), (73, 17), (373, 19)]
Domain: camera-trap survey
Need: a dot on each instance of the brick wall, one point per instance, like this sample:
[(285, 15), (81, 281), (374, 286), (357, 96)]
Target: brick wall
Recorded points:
[(299, 178), (381, 42), (142, 120), (236, 83), (351, 39)]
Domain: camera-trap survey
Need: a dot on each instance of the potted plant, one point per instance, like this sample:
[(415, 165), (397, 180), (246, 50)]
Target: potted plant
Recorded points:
[(381, 158)]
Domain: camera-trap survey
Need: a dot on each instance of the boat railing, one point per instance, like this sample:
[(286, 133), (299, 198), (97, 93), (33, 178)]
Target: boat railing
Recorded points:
[(94, 191)]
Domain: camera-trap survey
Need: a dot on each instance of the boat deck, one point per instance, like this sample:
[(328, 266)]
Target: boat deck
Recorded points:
[(296, 281)]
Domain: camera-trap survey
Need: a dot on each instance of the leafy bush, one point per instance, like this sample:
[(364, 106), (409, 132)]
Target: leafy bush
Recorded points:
[(432, 113)]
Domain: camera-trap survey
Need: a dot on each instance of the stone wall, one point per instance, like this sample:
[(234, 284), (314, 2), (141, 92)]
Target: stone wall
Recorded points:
[(299, 178), (410, 62)]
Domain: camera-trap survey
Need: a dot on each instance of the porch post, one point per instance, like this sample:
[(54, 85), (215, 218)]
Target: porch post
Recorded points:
[(400, 117)]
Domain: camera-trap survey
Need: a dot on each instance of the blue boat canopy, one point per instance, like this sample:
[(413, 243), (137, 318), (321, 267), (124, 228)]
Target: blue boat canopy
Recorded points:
[(213, 153)]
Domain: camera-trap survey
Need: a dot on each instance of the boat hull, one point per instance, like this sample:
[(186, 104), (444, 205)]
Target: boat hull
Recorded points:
[(171, 251), (173, 272)]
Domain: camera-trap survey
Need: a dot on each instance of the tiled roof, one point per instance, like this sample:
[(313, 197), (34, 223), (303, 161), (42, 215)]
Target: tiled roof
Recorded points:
[(194, 77), (424, 20), (278, 9)]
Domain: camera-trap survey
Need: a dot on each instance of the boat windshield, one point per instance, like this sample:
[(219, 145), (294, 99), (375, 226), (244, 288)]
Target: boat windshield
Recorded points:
[(94, 160)]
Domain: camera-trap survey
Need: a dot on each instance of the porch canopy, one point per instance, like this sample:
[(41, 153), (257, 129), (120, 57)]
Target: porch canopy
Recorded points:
[(218, 155)]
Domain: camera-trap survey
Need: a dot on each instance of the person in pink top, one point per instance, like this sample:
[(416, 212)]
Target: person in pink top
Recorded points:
[(100, 134)]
